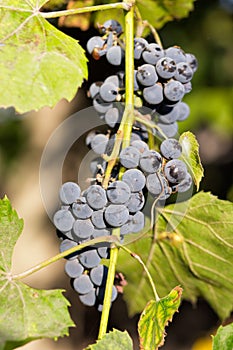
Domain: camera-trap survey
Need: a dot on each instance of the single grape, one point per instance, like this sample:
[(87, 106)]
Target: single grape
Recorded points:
[(111, 25), (175, 170), (113, 79), (127, 227), (69, 192), (138, 222), (83, 284), (118, 192), (183, 111), (73, 268), (63, 220), (170, 149), (100, 293), (184, 72), (169, 130), (67, 244), (114, 55), (187, 87), (83, 228), (152, 53), (136, 86), (94, 89), (185, 184), (99, 143), (116, 215), (154, 184), (108, 92), (81, 209), (136, 202), (129, 157), (140, 145), (135, 179), (112, 117), (139, 45), (166, 67), (103, 252), (98, 275), (153, 94), (174, 90), (170, 117), (96, 197), (192, 61), (89, 298), (176, 53), (150, 161), (100, 105), (146, 75), (97, 219), (89, 258), (94, 42)]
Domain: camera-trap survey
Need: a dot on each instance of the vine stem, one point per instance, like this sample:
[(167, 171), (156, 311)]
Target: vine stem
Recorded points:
[(139, 259), (45, 263), (123, 135), (118, 5)]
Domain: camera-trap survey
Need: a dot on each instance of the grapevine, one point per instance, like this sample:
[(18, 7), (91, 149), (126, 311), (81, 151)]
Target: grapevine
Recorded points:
[(139, 209)]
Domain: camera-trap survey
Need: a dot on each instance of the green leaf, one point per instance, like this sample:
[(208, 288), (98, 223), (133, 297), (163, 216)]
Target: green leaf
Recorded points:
[(160, 12), (155, 318), (192, 246), (190, 155), (224, 338), (25, 313), (39, 65), (113, 340)]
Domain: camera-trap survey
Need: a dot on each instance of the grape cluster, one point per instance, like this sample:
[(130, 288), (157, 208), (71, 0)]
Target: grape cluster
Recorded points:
[(162, 78)]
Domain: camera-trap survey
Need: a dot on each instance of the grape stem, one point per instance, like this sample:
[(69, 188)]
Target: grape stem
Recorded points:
[(122, 137), (125, 5), (138, 258), (109, 239), (145, 120)]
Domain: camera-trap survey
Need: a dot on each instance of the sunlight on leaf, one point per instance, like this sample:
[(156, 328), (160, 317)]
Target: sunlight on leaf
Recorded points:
[(192, 246), (190, 155), (113, 340), (224, 338), (25, 313), (39, 65)]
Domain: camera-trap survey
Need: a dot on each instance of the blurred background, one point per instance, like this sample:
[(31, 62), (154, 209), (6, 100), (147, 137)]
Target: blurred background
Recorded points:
[(207, 33)]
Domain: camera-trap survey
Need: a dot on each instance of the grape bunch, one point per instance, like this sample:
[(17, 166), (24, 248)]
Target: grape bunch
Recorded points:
[(162, 77)]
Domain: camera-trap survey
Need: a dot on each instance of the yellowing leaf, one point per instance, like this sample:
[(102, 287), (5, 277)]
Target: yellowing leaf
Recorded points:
[(154, 319)]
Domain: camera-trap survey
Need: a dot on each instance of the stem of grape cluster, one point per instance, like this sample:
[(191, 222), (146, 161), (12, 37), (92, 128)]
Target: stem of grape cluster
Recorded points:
[(123, 135)]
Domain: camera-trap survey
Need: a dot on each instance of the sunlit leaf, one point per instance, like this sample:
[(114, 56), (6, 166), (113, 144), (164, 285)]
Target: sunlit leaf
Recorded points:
[(224, 338), (192, 246), (113, 340), (155, 318), (190, 154), (39, 65), (25, 313)]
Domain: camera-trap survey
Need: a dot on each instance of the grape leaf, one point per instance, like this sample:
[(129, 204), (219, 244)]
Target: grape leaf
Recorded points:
[(25, 313), (113, 340), (81, 20), (192, 246), (39, 65), (190, 154), (224, 338), (160, 12), (155, 318)]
